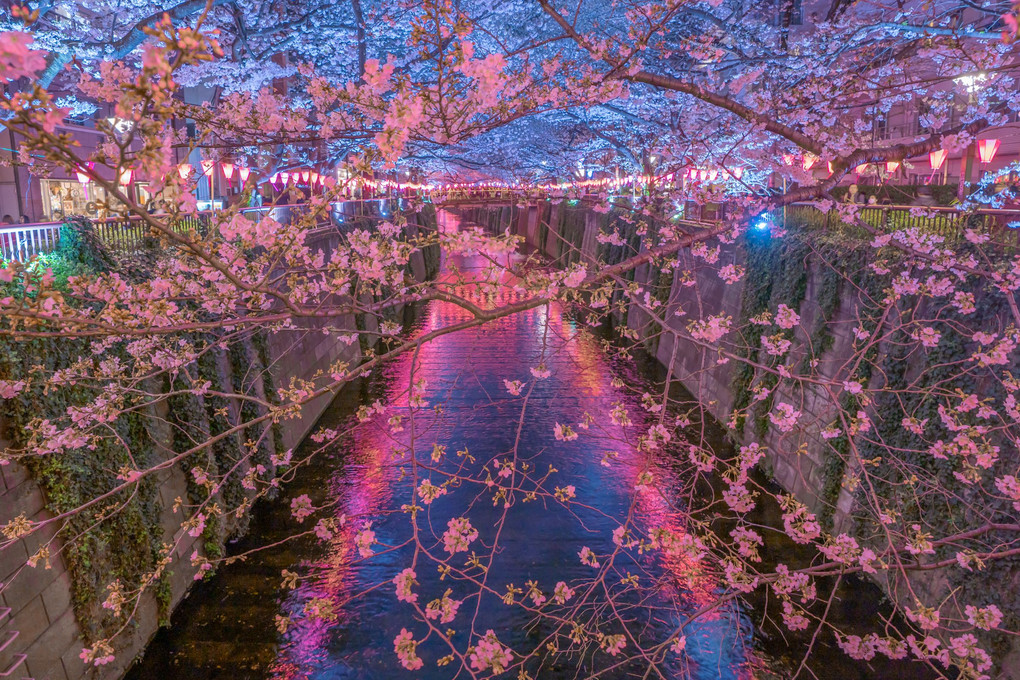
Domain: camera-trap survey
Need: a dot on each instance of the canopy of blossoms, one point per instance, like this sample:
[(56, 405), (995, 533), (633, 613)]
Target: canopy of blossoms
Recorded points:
[(717, 102)]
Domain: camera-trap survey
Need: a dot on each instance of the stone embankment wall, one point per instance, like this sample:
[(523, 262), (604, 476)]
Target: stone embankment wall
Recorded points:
[(41, 620), (800, 461)]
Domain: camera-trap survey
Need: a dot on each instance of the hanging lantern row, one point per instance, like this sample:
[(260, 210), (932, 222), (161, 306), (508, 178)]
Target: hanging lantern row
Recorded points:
[(986, 148), (385, 184), (309, 177)]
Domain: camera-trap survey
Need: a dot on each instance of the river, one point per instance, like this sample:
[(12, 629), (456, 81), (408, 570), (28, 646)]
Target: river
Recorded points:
[(227, 627)]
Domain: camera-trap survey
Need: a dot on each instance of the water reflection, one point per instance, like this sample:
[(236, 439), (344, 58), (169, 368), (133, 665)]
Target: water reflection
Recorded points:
[(227, 628)]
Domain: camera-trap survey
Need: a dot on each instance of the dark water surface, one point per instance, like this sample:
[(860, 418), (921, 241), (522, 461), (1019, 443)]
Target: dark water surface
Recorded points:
[(226, 629)]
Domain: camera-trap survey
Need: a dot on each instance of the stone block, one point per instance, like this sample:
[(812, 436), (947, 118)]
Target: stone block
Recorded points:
[(28, 584), (30, 622), (74, 667), (12, 558), (44, 655), (57, 597), (26, 498), (13, 474)]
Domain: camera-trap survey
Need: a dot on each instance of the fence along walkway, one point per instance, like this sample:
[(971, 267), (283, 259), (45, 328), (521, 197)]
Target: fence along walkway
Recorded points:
[(21, 242)]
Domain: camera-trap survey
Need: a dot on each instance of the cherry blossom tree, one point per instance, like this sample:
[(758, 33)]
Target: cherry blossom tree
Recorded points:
[(646, 88)]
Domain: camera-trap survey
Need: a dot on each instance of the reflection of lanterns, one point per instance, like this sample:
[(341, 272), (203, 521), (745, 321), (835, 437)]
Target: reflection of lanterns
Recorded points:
[(987, 149), (702, 175), (892, 166), (937, 158), (125, 177), (184, 170), (713, 175)]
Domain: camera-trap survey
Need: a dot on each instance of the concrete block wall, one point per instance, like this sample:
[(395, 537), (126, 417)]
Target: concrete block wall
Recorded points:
[(36, 620), (36, 612)]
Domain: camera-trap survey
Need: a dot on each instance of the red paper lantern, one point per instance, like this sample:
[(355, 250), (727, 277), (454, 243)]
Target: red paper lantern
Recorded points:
[(184, 170), (244, 172), (125, 177), (207, 166), (228, 170), (987, 149), (937, 158), (892, 166)]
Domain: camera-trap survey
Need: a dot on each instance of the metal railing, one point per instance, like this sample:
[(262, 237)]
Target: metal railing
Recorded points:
[(21, 242), (944, 221)]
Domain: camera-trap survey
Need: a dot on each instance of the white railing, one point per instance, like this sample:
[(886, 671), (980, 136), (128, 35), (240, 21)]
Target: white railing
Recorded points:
[(23, 241)]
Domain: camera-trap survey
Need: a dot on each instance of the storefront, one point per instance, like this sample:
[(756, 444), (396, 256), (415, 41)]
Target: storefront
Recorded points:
[(70, 197)]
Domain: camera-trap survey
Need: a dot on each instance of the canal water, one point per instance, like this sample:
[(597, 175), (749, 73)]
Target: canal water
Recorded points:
[(228, 628)]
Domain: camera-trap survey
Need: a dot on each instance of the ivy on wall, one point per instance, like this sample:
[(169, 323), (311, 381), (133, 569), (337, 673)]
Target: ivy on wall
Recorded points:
[(127, 543), (776, 273)]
